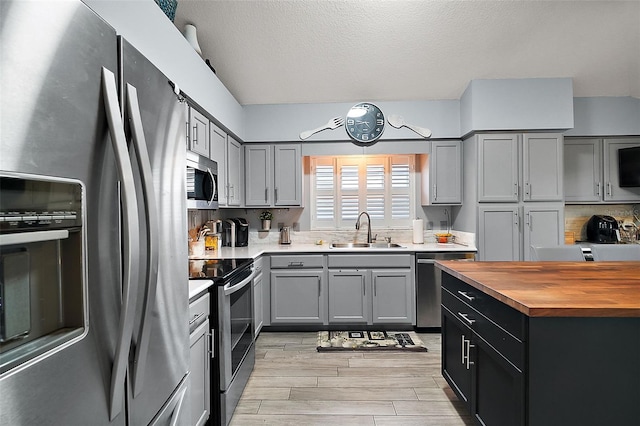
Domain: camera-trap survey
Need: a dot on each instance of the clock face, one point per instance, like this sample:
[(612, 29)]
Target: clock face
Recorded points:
[(365, 123)]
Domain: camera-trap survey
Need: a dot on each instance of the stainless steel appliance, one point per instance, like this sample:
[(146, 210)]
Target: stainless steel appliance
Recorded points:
[(285, 235), (202, 182), (232, 328), (68, 86), (429, 286), (602, 229)]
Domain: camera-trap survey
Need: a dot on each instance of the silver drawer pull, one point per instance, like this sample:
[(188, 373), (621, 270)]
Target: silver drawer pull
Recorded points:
[(196, 318), (466, 318), (466, 295), (299, 264)]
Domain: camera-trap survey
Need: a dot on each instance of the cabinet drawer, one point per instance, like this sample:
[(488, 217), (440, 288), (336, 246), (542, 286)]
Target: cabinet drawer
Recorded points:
[(369, 261), (198, 311), (298, 261), (508, 346), (504, 316)]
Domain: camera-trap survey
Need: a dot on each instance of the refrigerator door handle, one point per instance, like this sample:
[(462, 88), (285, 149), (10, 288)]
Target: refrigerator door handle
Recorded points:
[(153, 231), (130, 248)]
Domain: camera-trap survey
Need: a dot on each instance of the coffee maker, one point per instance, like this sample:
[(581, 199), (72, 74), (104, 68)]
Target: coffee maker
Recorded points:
[(242, 232), (603, 229)]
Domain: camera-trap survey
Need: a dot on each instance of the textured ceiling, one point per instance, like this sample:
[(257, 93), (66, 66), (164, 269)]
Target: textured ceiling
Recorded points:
[(315, 51)]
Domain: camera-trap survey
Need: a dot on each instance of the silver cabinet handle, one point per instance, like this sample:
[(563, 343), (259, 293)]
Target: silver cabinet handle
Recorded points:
[(463, 346), (194, 139), (598, 188), (266, 194), (130, 251), (153, 230), (276, 195), (466, 295), (364, 287), (319, 286), (609, 188), (296, 264), (466, 318), (435, 192), (527, 189), (196, 318), (515, 189)]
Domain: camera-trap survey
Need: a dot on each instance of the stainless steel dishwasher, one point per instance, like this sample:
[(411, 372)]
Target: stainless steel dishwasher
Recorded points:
[(428, 286)]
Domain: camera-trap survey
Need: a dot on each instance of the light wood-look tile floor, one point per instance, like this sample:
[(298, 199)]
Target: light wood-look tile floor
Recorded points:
[(293, 384)]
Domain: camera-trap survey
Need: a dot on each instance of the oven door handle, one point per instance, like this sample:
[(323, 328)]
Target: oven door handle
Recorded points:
[(230, 289)]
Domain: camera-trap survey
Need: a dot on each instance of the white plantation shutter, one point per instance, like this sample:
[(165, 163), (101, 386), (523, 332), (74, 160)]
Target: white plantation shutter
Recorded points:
[(342, 187)]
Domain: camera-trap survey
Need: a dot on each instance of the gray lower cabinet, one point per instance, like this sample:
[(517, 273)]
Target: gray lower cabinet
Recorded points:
[(298, 290), (378, 290), (507, 231), (349, 296), (200, 360), (393, 296)]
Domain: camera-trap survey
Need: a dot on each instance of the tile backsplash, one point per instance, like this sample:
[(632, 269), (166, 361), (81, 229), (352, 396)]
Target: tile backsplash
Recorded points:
[(576, 216)]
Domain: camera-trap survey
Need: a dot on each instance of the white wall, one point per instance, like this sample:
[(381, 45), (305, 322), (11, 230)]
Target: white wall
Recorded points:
[(606, 116), (149, 30)]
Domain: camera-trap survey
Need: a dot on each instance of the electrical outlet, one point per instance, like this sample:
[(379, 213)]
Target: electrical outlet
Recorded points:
[(280, 225)]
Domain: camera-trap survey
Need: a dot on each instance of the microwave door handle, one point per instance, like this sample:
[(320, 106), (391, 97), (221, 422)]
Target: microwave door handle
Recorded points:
[(230, 289), (130, 250), (33, 237), (213, 186), (153, 230)]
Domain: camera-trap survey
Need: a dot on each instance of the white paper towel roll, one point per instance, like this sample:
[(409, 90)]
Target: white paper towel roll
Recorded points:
[(418, 231)]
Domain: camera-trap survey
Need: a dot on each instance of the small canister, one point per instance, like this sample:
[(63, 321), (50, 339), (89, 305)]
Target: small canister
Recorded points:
[(211, 241)]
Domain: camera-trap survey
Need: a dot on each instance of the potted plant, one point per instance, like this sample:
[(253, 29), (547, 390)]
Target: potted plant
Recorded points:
[(266, 217)]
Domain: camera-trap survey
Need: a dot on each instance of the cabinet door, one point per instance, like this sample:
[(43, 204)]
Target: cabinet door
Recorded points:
[(349, 298), (456, 367), (583, 170), (234, 172), (257, 303), (298, 297), (613, 191), (499, 232), (287, 175), (542, 167), (393, 296), (199, 389), (543, 226), (218, 153), (498, 387), (498, 168), (445, 172), (198, 132), (258, 175)]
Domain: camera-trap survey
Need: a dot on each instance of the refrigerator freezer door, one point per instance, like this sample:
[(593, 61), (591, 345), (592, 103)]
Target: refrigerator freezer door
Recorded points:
[(54, 123), (161, 337)]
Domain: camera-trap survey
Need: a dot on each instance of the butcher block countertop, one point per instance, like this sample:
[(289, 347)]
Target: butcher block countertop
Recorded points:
[(556, 289)]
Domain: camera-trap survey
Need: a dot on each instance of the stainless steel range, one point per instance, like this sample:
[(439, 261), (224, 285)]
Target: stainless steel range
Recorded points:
[(232, 328)]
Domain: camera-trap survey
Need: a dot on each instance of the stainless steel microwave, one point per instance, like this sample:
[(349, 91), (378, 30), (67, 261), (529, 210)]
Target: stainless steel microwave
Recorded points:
[(202, 182)]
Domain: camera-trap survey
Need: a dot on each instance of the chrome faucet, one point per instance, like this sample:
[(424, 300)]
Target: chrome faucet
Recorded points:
[(369, 239)]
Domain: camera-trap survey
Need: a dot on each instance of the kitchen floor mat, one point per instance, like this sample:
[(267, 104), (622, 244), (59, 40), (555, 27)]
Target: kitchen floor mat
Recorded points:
[(369, 341)]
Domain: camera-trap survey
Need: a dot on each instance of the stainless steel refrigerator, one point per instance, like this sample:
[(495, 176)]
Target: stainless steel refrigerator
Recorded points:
[(78, 103)]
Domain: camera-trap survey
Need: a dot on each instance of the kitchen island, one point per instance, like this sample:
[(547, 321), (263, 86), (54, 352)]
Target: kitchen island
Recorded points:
[(543, 343)]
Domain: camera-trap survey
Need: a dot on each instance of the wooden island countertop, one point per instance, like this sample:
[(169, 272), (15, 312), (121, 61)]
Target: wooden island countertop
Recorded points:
[(556, 289)]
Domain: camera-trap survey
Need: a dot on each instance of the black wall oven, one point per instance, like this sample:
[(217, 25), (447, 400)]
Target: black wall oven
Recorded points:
[(232, 329)]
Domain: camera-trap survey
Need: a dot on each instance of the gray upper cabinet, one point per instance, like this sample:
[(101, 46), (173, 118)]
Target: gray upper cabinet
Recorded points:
[(273, 175), (501, 178), (442, 173), (258, 187), (287, 175), (583, 170), (198, 134), (612, 189), (498, 168), (218, 150), (591, 170), (234, 172), (542, 167), (543, 226)]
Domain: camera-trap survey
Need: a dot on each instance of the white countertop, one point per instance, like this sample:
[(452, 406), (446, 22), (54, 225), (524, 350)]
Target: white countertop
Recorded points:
[(254, 251)]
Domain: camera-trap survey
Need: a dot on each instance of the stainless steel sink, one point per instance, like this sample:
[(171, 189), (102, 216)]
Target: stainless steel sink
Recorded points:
[(366, 245)]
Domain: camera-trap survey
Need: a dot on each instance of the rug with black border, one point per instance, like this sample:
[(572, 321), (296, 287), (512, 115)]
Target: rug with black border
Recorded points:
[(369, 341)]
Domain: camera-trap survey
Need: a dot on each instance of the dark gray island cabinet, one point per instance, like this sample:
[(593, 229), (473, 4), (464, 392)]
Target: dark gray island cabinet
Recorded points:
[(543, 343)]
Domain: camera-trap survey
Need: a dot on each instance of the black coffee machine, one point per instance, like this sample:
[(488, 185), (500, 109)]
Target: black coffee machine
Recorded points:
[(602, 229), (235, 232)]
